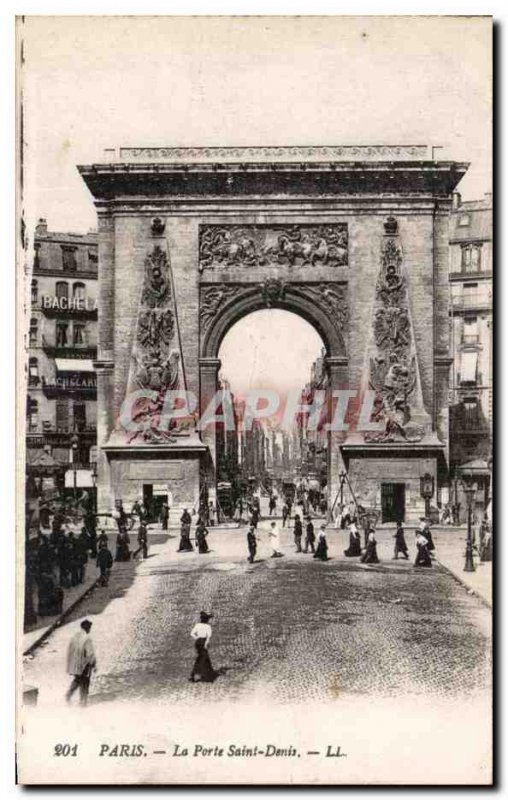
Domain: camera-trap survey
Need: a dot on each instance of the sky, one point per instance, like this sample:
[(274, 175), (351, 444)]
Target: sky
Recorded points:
[(277, 351), (91, 83)]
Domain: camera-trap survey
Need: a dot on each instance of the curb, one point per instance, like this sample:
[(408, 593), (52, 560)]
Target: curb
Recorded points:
[(457, 576), (56, 624)]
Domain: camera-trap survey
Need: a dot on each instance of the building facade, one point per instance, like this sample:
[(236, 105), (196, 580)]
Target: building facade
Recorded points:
[(471, 275), (353, 239), (62, 346)]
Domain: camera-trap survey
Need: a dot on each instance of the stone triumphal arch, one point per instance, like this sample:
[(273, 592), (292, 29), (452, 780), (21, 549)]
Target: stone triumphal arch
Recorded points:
[(352, 239)]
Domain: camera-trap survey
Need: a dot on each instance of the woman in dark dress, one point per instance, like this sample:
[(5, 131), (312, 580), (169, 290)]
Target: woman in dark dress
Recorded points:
[(424, 528), (400, 543), (122, 546), (322, 545), (201, 633), (370, 556), (355, 546), (185, 542), (201, 534), (422, 551)]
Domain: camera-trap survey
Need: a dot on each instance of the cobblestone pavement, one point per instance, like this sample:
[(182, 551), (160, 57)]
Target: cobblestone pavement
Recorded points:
[(294, 628)]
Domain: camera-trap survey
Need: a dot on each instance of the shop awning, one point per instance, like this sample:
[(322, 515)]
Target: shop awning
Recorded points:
[(74, 365), (468, 366), (84, 479)]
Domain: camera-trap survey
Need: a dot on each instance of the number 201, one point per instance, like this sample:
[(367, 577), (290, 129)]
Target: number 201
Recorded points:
[(66, 750)]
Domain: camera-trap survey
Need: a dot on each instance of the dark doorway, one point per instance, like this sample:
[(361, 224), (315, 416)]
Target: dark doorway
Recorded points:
[(393, 502)]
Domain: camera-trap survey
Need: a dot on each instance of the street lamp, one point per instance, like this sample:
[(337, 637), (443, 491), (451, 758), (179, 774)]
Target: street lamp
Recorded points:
[(74, 446), (469, 490), (94, 483), (427, 490)]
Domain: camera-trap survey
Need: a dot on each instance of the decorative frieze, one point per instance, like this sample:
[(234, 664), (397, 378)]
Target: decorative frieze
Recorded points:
[(265, 245), (331, 297)]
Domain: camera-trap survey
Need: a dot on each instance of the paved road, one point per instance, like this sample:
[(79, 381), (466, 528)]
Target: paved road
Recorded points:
[(291, 628)]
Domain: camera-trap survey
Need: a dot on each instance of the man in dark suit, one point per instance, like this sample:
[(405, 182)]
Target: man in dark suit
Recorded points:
[(310, 536)]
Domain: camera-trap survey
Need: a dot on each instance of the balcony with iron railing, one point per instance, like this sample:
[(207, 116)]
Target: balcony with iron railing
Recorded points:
[(69, 350), (473, 301)]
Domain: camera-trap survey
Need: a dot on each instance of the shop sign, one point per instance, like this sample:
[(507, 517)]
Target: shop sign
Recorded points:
[(68, 303)]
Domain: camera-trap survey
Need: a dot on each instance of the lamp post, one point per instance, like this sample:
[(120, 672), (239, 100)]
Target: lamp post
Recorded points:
[(74, 446), (427, 490), (342, 476), (469, 491), (94, 483)]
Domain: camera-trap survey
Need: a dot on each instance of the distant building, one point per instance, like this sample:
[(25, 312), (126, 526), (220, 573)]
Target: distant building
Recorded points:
[(471, 316), (62, 346)]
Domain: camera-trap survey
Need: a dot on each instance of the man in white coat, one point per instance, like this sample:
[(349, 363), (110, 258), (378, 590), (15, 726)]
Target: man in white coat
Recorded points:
[(81, 662), (273, 535)]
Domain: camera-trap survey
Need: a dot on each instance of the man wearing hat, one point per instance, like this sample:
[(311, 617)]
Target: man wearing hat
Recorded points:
[(81, 662)]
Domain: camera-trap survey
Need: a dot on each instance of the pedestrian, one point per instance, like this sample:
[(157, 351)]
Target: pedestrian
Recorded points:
[(423, 558), (143, 539), (104, 562), (81, 662), (254, 517), (185, 540), (120, 516), (123, 541), (400, 543), (272, 504), (202, 670), (370, 556), (164, 516), (424, 528), (81, 548), (201, 534), (310, 536), (102, 539), (298, 533), (74, 558), (274, 540), (285, 513), (355, 546), (65, 552), (322, 546), (251, 544)]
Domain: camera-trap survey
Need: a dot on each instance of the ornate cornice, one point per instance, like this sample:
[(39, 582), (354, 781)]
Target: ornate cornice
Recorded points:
[(274, 154)]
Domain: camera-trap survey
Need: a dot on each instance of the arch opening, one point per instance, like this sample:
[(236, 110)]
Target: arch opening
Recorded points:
[(272, 361)]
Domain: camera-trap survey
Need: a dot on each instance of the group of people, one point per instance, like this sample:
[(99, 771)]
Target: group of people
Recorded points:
[(200, 534), (58, 561), (319, 552), (369, 555)]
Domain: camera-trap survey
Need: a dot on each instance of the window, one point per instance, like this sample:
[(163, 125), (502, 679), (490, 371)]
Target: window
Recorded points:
[(93, 259), (79, 291), (62, 415), (470, 331), (79, 415), (69, 260), (62, 289), (78, 333), (33, 371), (34, 331), (471, 257), (62, 329), (464, 220), (468, 367), (32, 414), (37, 262), (470, 294), (34, 291)]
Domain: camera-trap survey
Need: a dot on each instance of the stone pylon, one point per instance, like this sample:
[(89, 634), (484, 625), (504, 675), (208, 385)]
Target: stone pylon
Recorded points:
[(156, 364), (391, 369)]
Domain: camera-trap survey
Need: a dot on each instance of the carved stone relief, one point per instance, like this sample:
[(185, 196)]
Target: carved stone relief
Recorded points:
[(393, 370), (329, 297), (264, 245)]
